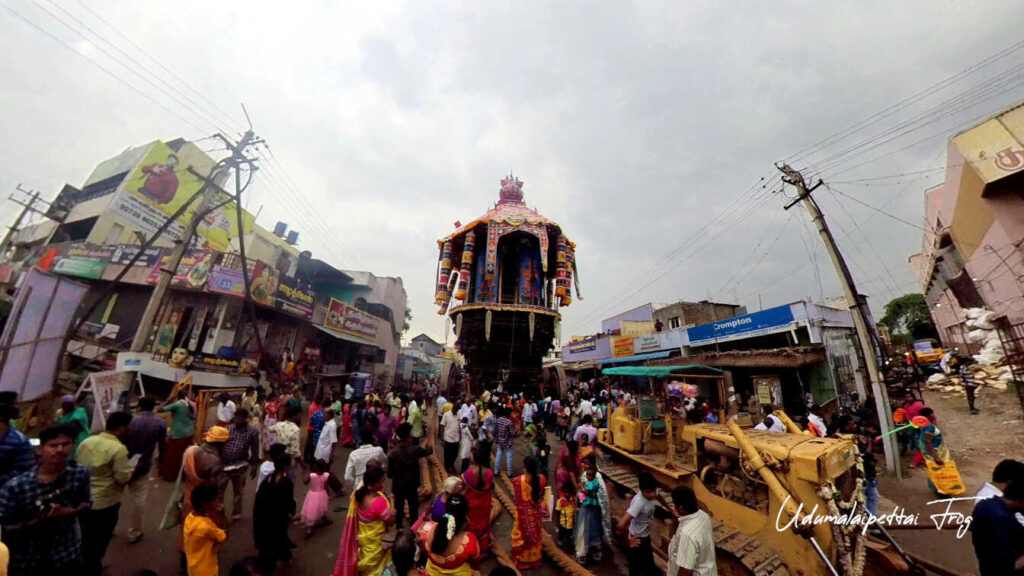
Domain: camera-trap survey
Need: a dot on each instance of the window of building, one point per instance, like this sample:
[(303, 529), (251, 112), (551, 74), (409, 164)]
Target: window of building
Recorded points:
[(673, 322)]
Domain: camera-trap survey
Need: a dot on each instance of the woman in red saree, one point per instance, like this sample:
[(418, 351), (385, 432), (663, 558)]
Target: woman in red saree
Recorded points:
[(451, 548), (361, 551), (531, 510), (479, 483), (346, 425)]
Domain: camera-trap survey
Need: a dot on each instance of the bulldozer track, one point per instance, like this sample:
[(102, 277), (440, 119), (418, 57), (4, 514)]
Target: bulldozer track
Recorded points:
[(759, 559)]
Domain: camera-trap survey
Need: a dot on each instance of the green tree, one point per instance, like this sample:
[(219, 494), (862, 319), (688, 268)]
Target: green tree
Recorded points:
[(908, 316), (408, 320)]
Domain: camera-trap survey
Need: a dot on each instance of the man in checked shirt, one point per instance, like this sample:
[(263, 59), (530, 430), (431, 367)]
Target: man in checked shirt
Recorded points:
[(241, 451)]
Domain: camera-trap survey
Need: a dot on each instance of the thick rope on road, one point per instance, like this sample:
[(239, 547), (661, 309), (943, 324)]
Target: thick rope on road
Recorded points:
[(548, 545), (502, 556), (426, 482)]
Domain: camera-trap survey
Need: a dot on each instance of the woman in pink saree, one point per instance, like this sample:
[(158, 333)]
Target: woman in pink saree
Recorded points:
[(361, 551)]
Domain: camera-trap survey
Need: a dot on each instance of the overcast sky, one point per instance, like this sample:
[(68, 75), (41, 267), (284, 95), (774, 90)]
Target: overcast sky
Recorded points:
[(632, 125)]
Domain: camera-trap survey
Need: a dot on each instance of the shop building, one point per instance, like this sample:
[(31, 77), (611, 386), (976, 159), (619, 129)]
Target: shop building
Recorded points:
[(974, 227), (795, 348), (92, 233)]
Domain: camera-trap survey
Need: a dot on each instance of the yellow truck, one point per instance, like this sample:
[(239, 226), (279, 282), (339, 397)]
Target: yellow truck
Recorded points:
[(928, 351)]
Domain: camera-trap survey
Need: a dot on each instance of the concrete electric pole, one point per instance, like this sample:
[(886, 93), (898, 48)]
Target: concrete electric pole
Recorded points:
[(857, 310), (206, 196), (27, 207)]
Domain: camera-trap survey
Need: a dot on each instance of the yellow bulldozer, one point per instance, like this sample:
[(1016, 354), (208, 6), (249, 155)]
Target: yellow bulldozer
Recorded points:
[(752, 483)]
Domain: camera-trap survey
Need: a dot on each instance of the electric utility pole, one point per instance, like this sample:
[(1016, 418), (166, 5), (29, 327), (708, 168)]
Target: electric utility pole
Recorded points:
[(29, 206), (857, 309), (206, 196)]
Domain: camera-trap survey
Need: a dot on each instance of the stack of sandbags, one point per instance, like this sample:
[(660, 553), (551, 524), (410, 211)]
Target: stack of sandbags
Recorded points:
[(983, 331)]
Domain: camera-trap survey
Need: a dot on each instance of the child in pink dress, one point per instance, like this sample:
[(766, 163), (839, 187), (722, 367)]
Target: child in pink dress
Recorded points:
[(314, 509)]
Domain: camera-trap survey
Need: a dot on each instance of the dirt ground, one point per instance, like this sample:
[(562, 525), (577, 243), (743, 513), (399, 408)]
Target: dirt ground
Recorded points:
[(977, 443)]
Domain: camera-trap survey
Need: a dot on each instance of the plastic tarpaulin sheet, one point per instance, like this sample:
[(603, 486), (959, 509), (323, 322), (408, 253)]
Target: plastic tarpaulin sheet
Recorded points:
[(657, 371), (33, 340)]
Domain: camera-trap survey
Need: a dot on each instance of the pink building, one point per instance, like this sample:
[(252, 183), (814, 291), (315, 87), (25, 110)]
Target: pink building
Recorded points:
[(971, 252)]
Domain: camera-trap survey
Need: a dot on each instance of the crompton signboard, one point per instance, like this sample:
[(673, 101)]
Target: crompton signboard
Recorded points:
[(760, 323)]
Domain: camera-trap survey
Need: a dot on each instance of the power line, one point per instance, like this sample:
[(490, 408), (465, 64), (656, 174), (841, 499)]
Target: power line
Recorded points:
[(913, 98), (693, 244), (878, 210), (102, 68), (956, 104), (178, 78), (867, 241), (688, 243), (315, 217), (185, 101)]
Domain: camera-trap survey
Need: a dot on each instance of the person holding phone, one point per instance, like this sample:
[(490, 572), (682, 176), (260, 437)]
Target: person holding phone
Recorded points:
[(39, 509)]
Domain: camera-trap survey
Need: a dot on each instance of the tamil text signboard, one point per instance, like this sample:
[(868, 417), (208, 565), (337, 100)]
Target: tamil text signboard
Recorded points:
[(622, 346), (295, 297), (349, 320), (584, 345), (648, 343)]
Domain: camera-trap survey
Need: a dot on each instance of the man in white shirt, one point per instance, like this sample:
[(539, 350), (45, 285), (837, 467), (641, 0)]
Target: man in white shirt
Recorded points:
[(328, 438), (349, 391), (358, 459), (691, 552), (529, 411), (468, 411), (451, 435), (814, 417), (586, 428), (584, 408), (770, 424), (1001, 476), (225, 409)]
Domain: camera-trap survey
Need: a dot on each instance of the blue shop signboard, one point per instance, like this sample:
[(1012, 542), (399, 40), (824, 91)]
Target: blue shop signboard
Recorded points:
[(746, 326)]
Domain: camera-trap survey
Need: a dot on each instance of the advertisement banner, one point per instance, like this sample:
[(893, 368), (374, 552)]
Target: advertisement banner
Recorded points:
[(193, 271), (622, 346), (225, 280), (123, 254), (295, 297), (263, 287), (77, 259), (648, 343), (584, 345), (160, 185), (350, 320), (760, 323)]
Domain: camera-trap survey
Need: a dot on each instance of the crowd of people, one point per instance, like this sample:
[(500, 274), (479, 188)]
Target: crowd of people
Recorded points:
[(61, 501)]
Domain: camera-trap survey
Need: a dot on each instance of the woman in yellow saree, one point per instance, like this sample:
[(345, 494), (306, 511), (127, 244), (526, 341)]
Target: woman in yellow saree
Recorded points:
[(361, 551), (530, 513)]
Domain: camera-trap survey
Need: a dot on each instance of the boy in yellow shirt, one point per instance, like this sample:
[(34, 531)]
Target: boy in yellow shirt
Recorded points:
[(203, 538)]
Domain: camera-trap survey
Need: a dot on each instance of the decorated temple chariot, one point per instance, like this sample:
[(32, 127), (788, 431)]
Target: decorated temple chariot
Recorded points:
[(502, 279)]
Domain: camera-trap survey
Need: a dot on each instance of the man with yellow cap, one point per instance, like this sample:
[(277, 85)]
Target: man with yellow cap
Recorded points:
[(202, 465)]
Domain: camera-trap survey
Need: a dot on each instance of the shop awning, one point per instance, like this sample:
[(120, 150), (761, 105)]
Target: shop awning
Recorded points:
[(345, 336), (635, 358), (657, 371)]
